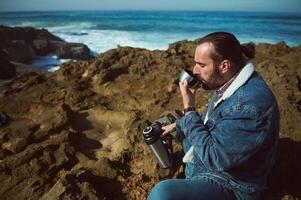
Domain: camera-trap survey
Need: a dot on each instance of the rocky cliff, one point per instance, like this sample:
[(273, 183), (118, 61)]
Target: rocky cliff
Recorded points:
[(76, 133), (23, 44)]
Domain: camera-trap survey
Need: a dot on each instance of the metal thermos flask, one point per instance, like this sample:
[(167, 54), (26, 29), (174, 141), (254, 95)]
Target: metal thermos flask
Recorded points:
[(152, 137)]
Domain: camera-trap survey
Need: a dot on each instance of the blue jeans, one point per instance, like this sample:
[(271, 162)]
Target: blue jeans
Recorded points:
[(196, 189), (184, 189)]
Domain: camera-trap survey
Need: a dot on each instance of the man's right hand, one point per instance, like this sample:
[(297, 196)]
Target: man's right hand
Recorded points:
[(188, 94), (168, 129)]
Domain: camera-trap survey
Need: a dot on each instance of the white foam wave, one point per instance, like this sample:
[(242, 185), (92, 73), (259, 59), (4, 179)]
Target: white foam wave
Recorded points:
[(100, 41), (53, 69), (103, 40), (69, 27), (26, 24), (50, 62)]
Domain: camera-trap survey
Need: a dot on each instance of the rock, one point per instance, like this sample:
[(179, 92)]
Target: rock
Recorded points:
[(103, 167), (70, 186), (28, 34), (24, 82), (76, 51), (62, 124), (41, 47), (19, 51), (21, 44), (288, 197), (282, 45), (182, 47), (7, 69), (48, 122), (36, 167), (42, 123), (17, 145), (3, 119), (82, 184), (55, 45), (44, 34)]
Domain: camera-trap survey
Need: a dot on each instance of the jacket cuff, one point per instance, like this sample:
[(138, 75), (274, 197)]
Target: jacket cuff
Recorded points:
[(179, 126)]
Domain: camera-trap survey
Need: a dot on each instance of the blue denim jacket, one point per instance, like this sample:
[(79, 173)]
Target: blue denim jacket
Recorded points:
[(237, 145)]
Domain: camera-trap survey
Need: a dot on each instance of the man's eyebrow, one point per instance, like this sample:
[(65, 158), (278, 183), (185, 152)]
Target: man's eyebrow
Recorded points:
[(199, 63)]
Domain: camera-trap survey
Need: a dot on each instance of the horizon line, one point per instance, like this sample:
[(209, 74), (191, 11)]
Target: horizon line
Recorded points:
[(151, 10)]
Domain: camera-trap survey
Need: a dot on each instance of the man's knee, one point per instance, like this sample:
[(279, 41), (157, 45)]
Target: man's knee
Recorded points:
[(162, 191)]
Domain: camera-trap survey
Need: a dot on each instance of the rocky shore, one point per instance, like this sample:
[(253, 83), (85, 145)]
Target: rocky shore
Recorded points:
[(20, 45), (76, 133)]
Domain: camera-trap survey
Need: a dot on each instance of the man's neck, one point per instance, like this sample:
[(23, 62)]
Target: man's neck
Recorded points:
[(220, 91)]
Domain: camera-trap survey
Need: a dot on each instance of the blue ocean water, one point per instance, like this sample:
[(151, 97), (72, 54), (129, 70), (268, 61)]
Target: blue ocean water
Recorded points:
[(104, 30)]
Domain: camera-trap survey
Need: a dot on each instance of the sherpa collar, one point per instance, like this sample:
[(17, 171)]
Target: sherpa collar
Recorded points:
[(241, 78)]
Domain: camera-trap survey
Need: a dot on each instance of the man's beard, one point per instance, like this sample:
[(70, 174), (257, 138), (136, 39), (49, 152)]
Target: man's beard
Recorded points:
[(215, 81)]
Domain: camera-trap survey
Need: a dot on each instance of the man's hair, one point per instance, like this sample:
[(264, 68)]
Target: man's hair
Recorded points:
[(226, 46)]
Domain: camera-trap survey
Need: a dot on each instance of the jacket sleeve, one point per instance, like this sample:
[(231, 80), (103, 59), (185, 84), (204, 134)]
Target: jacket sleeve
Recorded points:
[(231, 141)]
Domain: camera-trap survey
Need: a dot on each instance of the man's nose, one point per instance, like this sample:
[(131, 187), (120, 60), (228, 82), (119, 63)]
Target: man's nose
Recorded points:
[(196, 70)]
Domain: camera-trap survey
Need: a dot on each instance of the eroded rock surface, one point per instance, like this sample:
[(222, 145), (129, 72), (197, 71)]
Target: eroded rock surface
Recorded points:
[(7, 69), (22, 44), (76, 133)]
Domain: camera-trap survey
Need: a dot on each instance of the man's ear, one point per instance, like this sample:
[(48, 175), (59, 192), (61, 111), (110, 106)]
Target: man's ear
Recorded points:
[(224, 66)]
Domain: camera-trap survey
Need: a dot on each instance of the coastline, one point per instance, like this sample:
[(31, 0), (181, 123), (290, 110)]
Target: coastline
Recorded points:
[(77, 131), (104, 30)]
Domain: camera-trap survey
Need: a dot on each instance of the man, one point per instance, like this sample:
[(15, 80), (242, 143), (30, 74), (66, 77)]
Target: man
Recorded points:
[(230, 149)]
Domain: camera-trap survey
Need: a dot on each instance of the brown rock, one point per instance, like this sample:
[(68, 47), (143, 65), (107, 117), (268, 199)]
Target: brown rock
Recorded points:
[(23, 43), (35, 169), (28, 34), (7, 69), (76, 51), (41, 47), (24, 82), (71, 186), (103, 167), (3, 119), (81, 184), (87, 109), (16, 146), (19, 51)]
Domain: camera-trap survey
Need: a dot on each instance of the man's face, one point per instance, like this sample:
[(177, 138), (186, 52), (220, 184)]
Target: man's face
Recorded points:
[(205, 68)]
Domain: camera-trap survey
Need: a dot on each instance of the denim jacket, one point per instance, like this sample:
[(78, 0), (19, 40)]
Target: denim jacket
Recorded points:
[(236, 146)]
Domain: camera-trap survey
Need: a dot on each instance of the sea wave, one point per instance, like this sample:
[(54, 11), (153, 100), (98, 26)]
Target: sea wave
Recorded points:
[(103, 40), (104, 30), (50, 62)]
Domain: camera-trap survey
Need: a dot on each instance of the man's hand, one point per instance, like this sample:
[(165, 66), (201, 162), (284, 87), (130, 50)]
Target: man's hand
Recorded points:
[(188, 94), (168, 129)]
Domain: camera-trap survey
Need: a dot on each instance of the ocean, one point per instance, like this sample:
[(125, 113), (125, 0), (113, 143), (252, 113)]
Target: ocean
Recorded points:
[(104, 30)]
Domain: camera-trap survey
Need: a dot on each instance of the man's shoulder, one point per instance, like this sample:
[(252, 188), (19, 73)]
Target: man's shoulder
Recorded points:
[(257, 89), (257, 94), (252, 100)]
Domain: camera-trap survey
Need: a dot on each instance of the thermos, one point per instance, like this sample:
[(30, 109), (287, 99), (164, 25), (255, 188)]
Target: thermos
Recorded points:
[(152, 137)]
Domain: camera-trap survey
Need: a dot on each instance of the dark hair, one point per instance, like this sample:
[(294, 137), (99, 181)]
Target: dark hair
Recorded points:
[(226, 46)]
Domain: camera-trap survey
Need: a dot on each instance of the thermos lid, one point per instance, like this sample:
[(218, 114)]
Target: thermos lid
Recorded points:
[(151, 134), (147, 130)]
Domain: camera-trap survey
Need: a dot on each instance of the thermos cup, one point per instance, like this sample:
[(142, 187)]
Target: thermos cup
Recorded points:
[(193, 81)]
